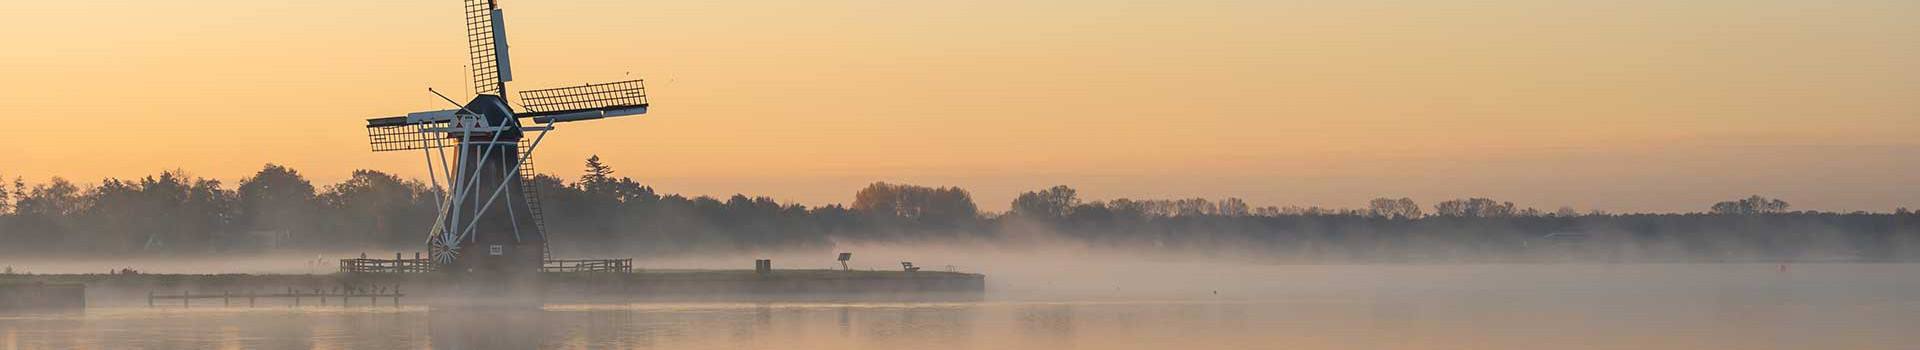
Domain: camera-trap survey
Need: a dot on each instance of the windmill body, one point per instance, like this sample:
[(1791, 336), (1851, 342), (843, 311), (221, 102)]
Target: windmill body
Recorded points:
[(490, 218)]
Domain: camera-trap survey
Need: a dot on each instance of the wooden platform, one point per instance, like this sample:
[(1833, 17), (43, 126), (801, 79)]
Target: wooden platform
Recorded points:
[(665, 285), (421, 265)]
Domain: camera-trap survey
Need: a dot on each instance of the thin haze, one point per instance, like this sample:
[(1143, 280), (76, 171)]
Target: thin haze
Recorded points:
[(1616, 105)]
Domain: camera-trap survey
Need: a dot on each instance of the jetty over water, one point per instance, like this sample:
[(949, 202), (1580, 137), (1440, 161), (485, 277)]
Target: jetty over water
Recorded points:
[(423, 265), (131, 290)]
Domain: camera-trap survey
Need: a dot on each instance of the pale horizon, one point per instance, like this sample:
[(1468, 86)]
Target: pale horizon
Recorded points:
[(1615, 106)]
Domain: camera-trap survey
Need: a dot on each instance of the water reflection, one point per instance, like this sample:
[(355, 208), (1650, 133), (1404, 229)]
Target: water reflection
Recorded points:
[(1711, 307), (488, 327), (1047, 325)]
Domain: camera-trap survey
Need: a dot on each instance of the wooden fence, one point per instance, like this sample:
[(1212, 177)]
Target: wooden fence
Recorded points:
[(386, 265), (295, 297), (588, 265), (419, 265)]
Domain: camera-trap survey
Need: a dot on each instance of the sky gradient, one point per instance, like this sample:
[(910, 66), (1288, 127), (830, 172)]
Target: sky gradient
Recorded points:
[(1612, 105)]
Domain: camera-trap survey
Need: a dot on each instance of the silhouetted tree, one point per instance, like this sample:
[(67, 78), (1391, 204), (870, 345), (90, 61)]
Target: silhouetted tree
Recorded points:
[(944, 206), (43, 215), (1403, 208), (1051, 204), (1195, 207), (278, 202), (1750, 206), (19, 190), (1474, 208), (168, 212), (597, 173), (1233, 207), (57, 197), (6, 199), (174, 213), (378, 209)]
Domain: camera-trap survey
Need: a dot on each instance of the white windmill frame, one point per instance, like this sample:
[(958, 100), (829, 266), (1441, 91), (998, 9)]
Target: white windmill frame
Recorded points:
[(434, 131)]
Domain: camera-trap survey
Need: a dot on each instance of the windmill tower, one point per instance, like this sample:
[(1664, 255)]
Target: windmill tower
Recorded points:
[(490, 218)]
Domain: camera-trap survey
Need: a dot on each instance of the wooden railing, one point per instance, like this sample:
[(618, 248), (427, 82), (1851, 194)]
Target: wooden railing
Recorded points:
[(588, 265), (346, 296), (365, 265), (386, 265)]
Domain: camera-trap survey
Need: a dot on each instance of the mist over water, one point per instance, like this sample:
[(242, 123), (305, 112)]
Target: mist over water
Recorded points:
[(1128, 175), (1062, 296)]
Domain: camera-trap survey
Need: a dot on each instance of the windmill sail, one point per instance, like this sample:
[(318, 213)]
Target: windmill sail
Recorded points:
[(585, 102), (487, 47)]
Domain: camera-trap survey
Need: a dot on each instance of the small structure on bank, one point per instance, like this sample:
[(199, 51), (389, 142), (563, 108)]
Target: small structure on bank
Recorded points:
[(763, 266)]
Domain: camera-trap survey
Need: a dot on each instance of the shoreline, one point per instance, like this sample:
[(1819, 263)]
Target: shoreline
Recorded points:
[(422, 288)]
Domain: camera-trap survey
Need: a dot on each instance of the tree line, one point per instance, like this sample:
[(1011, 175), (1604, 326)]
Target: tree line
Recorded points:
[(599, 213)]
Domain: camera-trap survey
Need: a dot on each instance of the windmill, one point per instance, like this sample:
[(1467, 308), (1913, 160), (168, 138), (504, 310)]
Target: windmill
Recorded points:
[(490, 218)]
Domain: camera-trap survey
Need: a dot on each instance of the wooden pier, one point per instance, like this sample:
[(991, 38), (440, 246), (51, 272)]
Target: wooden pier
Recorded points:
[(588, 265), (397, 265), (400, 264), (296, 297)]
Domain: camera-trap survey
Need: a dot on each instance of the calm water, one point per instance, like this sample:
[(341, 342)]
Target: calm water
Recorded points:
[(1745, 306)]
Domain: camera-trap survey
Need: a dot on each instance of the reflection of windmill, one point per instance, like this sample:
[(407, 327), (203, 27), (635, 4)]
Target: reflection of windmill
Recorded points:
[(490, 216)]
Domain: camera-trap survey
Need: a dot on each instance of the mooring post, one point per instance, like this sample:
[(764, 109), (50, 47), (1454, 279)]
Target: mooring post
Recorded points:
[(250, 298), (149, 298), (185, 299), (226, 298), (396, 295)]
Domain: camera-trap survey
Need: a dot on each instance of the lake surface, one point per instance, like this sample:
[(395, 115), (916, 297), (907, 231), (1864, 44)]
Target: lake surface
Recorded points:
[(1152, 306)]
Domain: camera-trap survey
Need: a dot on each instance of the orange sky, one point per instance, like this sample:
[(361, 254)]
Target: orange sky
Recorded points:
[(1615, 105)]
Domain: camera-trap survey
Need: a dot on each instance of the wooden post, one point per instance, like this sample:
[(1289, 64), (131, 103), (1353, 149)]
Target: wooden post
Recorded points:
[(184, 298), (226, 298), (249, 298), (323, 298), (149, 298), (396, 295)]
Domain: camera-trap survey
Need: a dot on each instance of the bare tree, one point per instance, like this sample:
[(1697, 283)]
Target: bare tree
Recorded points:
[(1474, 208), (1051, 203), (1403, 208), (1750, 206), (1233, 207)]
